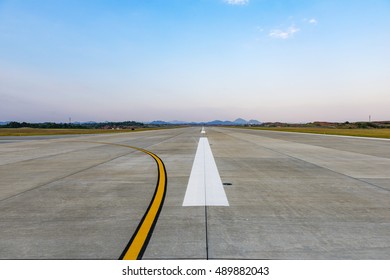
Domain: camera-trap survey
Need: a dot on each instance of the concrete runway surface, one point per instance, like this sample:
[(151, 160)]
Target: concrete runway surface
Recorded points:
[(292, 196)]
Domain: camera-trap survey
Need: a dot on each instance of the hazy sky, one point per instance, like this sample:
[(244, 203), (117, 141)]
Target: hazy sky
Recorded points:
[(198, 60)]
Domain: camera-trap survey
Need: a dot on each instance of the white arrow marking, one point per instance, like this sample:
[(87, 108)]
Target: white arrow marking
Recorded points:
[(205, 186)]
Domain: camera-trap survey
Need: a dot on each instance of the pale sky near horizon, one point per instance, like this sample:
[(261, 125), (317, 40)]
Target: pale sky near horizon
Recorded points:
[(194, 60)]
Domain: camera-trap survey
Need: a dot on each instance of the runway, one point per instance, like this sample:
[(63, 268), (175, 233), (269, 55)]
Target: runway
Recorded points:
[(290, 196)]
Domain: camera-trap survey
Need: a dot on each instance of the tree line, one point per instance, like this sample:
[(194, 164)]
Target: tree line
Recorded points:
[(91, 125)]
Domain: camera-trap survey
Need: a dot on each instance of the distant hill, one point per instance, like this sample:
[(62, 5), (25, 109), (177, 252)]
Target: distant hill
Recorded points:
[(254, 122), (159, 123), (238, 121), (178, 122), (219, 122)]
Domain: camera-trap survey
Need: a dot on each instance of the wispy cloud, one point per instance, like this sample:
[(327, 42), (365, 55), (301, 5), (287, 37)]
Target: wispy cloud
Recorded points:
[(310, 21), (283, 34), (236, 2)]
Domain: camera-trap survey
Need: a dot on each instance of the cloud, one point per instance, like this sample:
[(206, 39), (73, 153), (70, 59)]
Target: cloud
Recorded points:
[(283, 34), (236, 2), (310, 21)]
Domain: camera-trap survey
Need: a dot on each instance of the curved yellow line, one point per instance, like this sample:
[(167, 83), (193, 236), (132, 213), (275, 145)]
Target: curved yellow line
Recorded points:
[(135, 249), (140, 238)]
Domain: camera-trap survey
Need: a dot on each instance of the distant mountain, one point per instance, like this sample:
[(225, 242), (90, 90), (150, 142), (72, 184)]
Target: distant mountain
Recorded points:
[(238, 121), (219, 122), (4, 123), (178, 122), (254, 122), (241, 121), (159, 123)]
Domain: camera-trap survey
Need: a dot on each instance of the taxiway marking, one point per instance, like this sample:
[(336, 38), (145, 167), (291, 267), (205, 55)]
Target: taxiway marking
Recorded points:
[(136, 247), (140, 239)]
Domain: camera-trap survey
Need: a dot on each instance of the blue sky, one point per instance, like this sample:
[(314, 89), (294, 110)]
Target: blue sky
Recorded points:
[(194, 60)]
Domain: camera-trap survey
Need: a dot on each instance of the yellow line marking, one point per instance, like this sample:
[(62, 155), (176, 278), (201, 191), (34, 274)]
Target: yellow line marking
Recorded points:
[(138, 241), (137, 244)]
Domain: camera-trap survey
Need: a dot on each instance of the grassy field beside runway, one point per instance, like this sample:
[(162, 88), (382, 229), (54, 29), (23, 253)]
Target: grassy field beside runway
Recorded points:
[(49, 131), (376, 133)]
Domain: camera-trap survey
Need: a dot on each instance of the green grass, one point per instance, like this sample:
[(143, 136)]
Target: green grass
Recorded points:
[(47, 131), (376, 133)]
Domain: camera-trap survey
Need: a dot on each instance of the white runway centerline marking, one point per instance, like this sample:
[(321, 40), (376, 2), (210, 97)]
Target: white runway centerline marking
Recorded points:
[(205, 186)]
